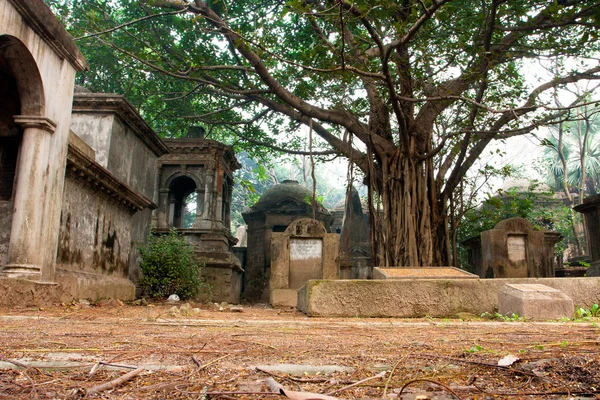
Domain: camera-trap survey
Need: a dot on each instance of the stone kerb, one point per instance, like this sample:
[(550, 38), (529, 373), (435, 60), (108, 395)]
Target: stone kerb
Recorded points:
[(534, 301), (303, 252)]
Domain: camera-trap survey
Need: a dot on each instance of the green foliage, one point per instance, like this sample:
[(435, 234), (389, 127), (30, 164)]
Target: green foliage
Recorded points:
[(168, 267), (474, 349), (499, 317), (586, 314), (580, 142), (514, 202)]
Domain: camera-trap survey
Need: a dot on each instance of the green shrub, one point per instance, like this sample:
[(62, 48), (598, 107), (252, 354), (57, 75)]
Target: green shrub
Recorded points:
[(168, 267)]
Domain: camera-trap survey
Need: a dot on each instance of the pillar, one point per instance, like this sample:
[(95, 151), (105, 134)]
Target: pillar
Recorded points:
[(25, 258)]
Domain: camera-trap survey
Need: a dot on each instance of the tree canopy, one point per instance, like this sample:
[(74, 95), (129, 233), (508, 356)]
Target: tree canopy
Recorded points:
[(411, 91)]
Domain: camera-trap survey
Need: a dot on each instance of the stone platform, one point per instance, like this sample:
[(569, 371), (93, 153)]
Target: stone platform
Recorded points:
[(425, 297), (421, 273)]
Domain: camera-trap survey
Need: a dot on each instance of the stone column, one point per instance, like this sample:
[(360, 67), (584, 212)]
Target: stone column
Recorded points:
[(208, 212), (25, 258), (156, 196), (199, 207), (219, 198)]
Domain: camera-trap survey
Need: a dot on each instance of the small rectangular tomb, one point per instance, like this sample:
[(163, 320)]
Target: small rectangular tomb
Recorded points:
[(421, 273), (534, 301)]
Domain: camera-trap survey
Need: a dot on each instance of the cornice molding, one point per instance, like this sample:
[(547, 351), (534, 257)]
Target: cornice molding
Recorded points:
[(41, 19), (83, 168), (35, 121), (117, 104)]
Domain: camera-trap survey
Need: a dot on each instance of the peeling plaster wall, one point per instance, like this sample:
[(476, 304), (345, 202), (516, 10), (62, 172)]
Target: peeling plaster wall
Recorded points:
[(95, 232), (5, 222), (94, 129), (131, 161)]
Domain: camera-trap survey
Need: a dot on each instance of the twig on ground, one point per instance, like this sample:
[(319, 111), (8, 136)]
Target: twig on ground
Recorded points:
[(22, 365), (387, 382), (378, 376), (213, 361), (291, 378), (258, 343), (518, 371), (115, 382), (195, 360), (430, 381)]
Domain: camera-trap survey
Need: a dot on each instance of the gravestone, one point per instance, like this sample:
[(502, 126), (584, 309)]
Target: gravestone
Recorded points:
[(591, 211), (534, 301), (513, 249), (304, 251)]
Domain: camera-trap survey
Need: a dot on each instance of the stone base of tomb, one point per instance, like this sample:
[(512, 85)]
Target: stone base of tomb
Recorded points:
[(405, 298), (283, 297), (28, 293), (223, 272), (82, 285)]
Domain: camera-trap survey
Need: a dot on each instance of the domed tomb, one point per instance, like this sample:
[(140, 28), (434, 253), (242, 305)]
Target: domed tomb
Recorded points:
[(277, 208)]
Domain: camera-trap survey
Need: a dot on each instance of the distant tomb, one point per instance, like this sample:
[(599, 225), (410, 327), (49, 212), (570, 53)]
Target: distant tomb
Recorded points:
[(513, 249), (273, 213), (591, 211), (303, 252)]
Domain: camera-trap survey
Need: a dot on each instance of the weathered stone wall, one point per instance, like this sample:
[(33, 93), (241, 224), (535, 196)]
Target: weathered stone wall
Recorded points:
[(5, 221), (95, 232), (95, 130), (136, 168), (225, 284)]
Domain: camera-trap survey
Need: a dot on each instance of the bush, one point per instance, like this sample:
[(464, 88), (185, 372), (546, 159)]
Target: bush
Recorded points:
[(168, 267)]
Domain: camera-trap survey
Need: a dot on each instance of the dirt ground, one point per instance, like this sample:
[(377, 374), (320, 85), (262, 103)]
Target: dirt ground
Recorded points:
[(62, 352)]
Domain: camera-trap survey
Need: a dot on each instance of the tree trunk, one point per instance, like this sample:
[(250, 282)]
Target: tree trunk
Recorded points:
[(414, 229)]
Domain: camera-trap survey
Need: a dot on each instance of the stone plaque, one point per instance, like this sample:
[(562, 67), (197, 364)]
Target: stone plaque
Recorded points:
[(302, 249), (516, 248), (305, 261)]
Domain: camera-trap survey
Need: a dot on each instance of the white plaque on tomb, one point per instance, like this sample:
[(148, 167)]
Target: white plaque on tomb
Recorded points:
[(516, 248), (302, 249), (305, 261)]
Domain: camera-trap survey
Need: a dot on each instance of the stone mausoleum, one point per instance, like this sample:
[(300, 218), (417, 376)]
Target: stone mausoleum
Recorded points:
[(200, 171), (276, 209), (81, 173)]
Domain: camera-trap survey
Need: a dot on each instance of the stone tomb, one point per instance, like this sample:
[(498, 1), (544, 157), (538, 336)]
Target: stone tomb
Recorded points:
[(591, 211), (303, 252), (421, 273), (534, 301), (513, 249)]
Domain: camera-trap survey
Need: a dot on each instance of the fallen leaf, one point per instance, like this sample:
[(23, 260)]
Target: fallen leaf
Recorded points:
[(507, 361)]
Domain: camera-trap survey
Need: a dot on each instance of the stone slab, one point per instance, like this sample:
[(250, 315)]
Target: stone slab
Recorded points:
[(421, 273), (283, 297), (426, 297), (534, 301)]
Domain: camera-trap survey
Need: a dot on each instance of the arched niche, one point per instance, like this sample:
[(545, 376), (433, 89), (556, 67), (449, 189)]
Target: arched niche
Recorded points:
[(181, 188), (17, 62), (21, 93)]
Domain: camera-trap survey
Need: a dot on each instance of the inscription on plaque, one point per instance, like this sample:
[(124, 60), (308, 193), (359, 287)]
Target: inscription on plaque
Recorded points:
[(516, 248), (305, 261), (302, 249)]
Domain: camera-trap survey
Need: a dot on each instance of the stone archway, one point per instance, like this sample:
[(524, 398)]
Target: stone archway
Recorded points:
[(24, 145), (179, 189)]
